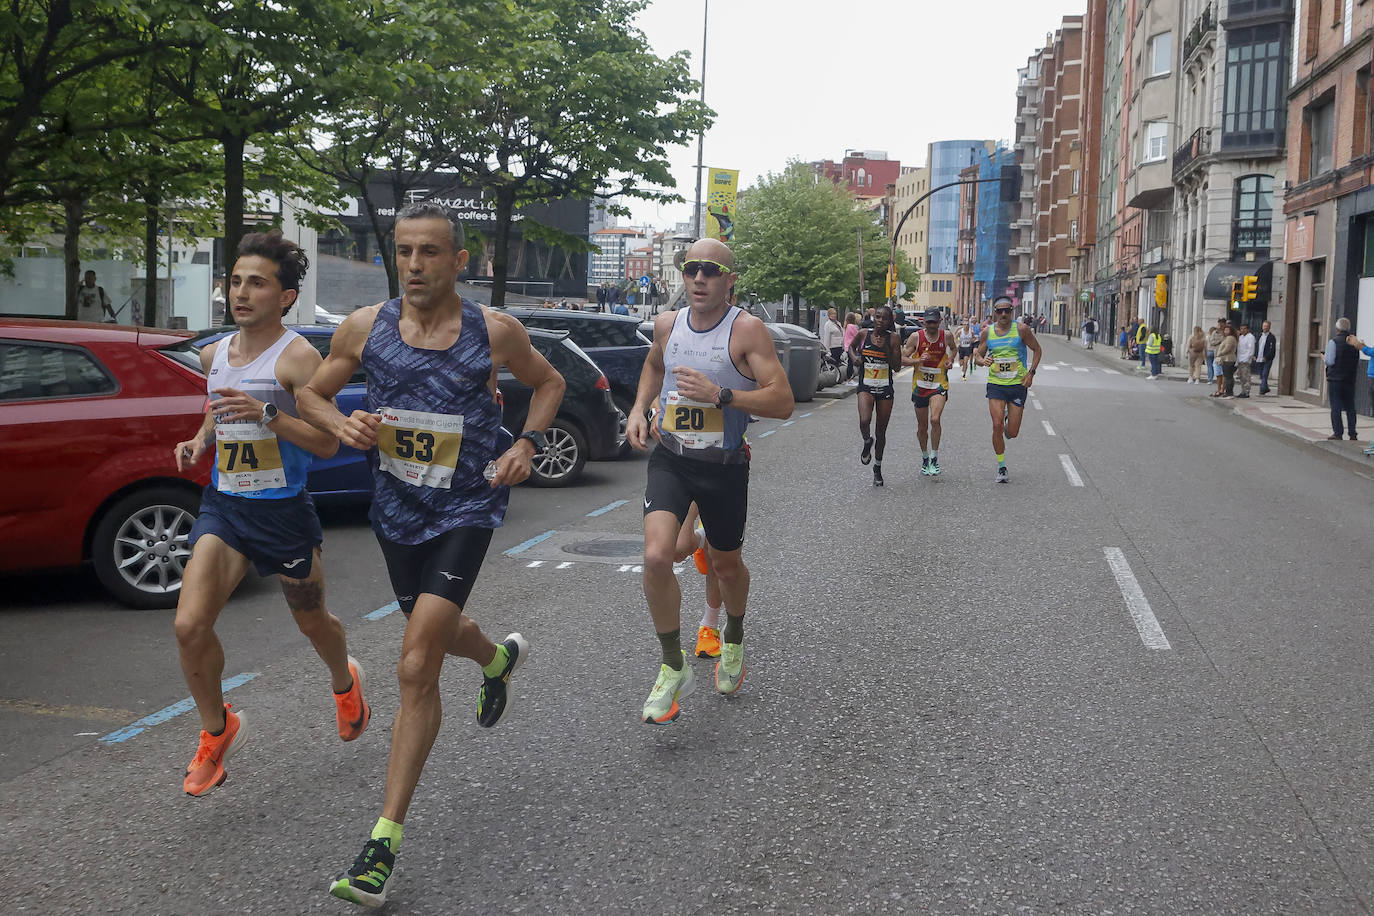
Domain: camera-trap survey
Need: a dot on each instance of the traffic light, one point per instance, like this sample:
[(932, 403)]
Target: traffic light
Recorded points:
[(891, 280), (1161, 290), (1249, 289), (1235, 295)]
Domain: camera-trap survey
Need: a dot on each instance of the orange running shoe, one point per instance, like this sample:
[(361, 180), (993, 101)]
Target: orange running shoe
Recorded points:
[(699, 555), (708, 642), (207, 767), (352, 712)]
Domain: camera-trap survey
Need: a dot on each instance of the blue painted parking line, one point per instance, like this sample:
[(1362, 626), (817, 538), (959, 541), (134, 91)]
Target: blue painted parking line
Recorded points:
[(383, 611), (521, 548), (607, 508), (805, 415), (789, 422), (767, 434), (171, 712)]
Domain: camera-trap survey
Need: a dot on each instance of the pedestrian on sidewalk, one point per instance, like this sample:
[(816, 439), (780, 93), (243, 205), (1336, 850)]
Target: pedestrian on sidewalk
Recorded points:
[(1265, 349), (1214, 336), (1197, 351), (1367, 351), (1226, 362), (1342, 360), (1141, 333), (1123, 340), (1153, 345), (851, 330), (831, 334), (1245, 356)]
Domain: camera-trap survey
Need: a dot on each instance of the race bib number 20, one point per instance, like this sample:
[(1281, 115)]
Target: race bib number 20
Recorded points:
[(694, 423), (420, 448)]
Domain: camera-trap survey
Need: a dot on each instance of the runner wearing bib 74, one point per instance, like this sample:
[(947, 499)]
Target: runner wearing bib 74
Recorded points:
[(1003, 347), (256, 511), (710, 367), (879, 354), (930, 352)]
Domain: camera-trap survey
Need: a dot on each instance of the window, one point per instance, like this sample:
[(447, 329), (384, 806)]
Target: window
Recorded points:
[(1311, 29), (1253, 109), (1364, 123), (1156, 141), (1319, 126), (33, 371), (1161, 54), (1254, 212), (1073, 230)]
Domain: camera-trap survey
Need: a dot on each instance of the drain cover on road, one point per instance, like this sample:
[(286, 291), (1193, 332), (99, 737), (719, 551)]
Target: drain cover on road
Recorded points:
[(617, 549), (610, 548)]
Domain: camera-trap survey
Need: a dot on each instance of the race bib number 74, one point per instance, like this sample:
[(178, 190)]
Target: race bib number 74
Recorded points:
[(420, 448)]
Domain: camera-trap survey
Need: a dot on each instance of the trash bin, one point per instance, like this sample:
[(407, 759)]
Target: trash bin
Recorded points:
[(804, 364), (782, 344)]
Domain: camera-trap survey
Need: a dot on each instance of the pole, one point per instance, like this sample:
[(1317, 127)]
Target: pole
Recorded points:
[(861, 271), (892, 253), (696, 212)]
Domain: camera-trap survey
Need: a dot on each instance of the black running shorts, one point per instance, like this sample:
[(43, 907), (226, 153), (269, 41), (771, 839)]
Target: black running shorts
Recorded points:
[(923, 401), (1016, 394), (721, 492), (878, 394), (445, 566), (966, 351)]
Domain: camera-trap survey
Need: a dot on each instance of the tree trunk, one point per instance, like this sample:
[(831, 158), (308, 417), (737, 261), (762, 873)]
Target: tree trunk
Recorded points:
[(233, 203), (393, 282), (500, 245), (72, 212), (151, 217)]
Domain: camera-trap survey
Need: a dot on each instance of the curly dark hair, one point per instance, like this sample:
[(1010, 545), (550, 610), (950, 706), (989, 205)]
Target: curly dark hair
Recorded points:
[(287, 255)]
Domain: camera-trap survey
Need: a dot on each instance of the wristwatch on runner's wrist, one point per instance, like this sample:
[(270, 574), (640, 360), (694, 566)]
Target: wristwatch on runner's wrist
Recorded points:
[(269, 413), (536, 439), (724, 397)]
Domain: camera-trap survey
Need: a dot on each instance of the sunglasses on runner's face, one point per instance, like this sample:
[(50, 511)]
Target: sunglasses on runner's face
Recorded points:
[(1002, 311), (707, 268)]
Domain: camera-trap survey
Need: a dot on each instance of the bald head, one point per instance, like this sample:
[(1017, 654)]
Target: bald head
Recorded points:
[(712, 250)]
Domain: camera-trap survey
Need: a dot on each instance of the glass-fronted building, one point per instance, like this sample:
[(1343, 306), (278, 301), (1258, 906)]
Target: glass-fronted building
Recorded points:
[(947, 159), (994, 225)]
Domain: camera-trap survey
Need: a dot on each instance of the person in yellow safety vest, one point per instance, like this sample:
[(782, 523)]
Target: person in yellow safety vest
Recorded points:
[(1141, 332), (1153, 345)]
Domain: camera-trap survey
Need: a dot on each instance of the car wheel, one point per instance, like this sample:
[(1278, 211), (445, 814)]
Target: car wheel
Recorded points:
[(562, 462), (142, 543)]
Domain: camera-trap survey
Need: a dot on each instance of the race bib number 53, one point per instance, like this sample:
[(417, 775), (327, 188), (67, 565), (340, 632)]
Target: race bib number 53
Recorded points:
[(419, 448)]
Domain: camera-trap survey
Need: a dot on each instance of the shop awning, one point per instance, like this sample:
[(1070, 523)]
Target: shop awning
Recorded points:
[(1219, 279)]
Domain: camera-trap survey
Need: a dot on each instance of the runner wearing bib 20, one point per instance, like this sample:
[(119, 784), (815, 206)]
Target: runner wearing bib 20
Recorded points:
[(1003, 348), (929, 351), (710, 367), (879, 354), (431, 428), (256, 510)]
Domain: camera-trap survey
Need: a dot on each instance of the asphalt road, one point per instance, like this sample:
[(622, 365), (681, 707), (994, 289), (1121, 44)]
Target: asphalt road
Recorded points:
[(1135, 679)]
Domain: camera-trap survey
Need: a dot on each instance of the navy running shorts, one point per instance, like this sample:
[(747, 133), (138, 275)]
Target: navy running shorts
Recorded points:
[(279, 536), (1016, 394), (721, 492), (923, 401), (445, 566)]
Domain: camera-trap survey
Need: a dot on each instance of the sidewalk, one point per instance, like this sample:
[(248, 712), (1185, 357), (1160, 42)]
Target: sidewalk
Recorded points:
[(1281, 413)]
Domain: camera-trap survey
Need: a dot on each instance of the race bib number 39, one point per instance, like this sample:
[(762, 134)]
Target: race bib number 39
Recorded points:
[(248, 458), (696, 425), (876, 373), (928, 377), (419, 448)]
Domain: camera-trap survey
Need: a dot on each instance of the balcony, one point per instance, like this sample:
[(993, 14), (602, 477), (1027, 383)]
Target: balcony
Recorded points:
[(1188, 156), (1020, 224), (1204, 26), (1030, 109), (1020, 250)]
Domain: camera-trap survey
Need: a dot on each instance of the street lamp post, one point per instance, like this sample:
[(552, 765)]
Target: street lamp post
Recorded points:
[(701, 134)]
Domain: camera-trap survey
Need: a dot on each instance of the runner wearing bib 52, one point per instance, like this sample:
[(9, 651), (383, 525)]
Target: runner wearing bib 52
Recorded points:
[(1003, 347)]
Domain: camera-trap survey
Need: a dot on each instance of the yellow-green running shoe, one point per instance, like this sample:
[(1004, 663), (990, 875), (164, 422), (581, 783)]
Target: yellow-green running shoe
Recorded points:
[(671, 686), (365, 882), (730, 668)]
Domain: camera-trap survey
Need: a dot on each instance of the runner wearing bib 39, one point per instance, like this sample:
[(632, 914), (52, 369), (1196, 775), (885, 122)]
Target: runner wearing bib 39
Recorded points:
[(1003, 347), (711, 366), (256, 510), (930, 352), (431, 428), (878, 352)]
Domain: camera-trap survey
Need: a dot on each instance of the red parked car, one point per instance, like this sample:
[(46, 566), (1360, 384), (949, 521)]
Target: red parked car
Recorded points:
[(89, 415)]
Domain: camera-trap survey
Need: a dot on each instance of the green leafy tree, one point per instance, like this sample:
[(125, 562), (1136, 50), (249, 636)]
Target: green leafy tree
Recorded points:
[(800, 238), (573, 104)]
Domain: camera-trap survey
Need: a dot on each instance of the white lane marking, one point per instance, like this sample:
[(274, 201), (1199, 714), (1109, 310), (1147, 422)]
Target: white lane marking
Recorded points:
[(1036, 404), (533, 563), (1111, 371), (1070, 471), (789, 422), (1049, 430), (1080, 369), (767, 434), (1145, 623), (564, 565), (828, 404), (1061, 363), (1051, 368)]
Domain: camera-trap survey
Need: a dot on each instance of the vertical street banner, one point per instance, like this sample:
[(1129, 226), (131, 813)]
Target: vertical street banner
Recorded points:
[(720, 204)]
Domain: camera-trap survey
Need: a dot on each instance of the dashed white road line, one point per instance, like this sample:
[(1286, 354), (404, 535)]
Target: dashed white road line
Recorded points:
[(1081, 369), (1111, 371), (1036, 404), (1070, 471), (1151, 634), (1049, 430)]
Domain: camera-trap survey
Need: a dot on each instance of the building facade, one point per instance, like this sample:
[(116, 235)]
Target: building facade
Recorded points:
[(911, 240), (608, 264), (992, 228), (946, 158), (967, 296), (1328, 205), (1057, 177), (864, 173), (1083, 239), (1021, 237)]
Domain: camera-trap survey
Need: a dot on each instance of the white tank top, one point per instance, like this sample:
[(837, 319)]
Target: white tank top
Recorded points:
[(692, 428)]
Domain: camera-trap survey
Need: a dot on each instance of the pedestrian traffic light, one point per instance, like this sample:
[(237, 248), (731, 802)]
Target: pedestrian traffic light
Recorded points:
[(1235, 295), (1161, 290), (1249, 289)]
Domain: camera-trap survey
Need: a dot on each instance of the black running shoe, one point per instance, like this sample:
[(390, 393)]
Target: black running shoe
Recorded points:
[(365, 882), (866, 455), (877, 477), (494, 699), (1002, 474)]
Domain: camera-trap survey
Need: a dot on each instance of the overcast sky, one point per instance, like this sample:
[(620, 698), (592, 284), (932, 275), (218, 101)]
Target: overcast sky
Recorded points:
[(793, 80)]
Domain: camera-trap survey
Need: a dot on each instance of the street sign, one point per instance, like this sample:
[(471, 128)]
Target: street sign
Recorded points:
[(644, 281), (863, 297), (901, 288), (1084, 296)]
